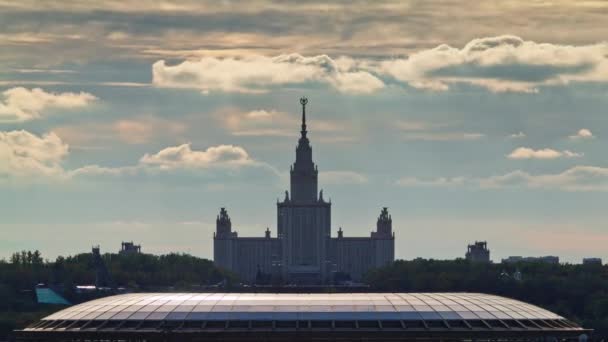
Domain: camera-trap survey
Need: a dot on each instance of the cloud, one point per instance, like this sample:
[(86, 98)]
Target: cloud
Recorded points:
[(342, 177), (212, 167), (259, 122), (436, 182), (183, 156), (501, 64), (142, 130), (26, 155), (21, 104), (30, 157), (257, 74), (546, 153), (188, 29), (517, 135), (271, 122), (578, 178), (582, 134), (432, 131), (443, 136), (135, 130)]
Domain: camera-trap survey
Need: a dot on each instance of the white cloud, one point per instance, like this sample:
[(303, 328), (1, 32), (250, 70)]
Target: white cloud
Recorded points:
[(258, 73), (183, 156), (517, 135), (434, 182), (26, 155), (500, 64), (546, 153), (21, 104), (582, 134), (578, 178), (342, 177)]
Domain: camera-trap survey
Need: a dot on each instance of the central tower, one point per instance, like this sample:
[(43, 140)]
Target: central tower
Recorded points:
[(304, 218), (304, 171)]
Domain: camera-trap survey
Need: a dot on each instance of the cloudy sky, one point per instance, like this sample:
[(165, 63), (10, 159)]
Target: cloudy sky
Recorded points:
[(137, 120)]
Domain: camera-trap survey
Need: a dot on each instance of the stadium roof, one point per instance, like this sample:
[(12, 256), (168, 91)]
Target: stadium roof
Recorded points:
[(381, 315)]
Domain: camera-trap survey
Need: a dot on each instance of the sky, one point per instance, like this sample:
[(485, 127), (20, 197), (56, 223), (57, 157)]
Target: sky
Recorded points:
[(137, 120)]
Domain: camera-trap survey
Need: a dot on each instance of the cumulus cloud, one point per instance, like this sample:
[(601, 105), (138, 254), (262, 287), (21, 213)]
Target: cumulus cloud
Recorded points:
[(582, 134), (546, 153), (342, 177), (183, 164), (183, 156), (256, 74), (24, 155), (27, 156), (501, 64), (21, 104)]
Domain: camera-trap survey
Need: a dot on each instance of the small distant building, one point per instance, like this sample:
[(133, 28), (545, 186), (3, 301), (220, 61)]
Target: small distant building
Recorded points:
[(592, 261), (129, 248), (478, 252), (549, 259), (102, 276)]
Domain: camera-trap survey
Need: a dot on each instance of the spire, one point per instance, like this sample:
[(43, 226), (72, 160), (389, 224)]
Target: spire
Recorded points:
[(303, 172), (303, 102)]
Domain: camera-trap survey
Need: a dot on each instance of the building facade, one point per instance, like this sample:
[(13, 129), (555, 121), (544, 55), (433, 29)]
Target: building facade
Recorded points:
[(592, 261), (127, 248), (303, 251), (478, 252)]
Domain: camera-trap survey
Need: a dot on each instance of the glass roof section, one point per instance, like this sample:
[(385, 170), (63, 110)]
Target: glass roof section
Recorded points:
[(303, 306)]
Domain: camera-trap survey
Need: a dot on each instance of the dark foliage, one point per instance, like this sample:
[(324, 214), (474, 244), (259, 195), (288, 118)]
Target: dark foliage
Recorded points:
[(145, 272), (577, 292)]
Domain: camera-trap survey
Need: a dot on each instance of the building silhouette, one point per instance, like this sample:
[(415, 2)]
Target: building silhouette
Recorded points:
[(478, 252), (102, 276), (303, 252), (549, 259), (127, 248), (592, 261)]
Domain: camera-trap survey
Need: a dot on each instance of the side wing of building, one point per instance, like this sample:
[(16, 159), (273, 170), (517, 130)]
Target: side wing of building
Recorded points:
[(354, 256), (248, 257)]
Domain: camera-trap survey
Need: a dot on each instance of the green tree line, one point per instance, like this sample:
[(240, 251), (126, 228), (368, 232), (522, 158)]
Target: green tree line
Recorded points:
[(20, 274)]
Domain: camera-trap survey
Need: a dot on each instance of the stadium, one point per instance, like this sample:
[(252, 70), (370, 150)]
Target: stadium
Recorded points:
[(303, 317)]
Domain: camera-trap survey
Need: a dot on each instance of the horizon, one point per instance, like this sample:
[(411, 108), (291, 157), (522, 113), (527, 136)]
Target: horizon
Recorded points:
[(138, 121)]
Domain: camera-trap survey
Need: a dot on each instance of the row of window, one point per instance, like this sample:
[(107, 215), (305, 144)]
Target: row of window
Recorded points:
[(314, 324)]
